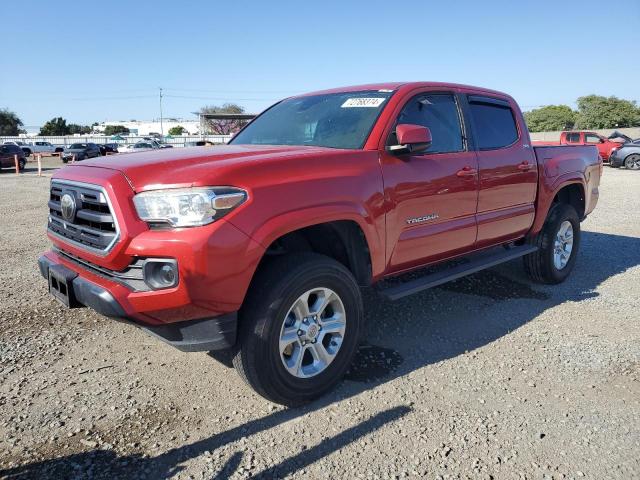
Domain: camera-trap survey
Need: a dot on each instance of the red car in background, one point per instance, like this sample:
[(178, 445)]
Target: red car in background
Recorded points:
[(603, 144)]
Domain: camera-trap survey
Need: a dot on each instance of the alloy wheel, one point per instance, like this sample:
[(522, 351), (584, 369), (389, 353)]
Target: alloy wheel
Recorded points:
[(312, 332), (563, 245)]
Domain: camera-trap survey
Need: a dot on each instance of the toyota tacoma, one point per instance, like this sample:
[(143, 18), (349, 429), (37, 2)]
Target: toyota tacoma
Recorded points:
[(260, 247)]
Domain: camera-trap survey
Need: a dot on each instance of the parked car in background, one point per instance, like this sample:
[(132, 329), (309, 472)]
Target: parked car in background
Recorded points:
[(25, 147), (157, 142), (108, 148), (200, 143), (7, 156), (627, 155), (42, 147), (81, 151), (138, 147), (604, 145), (143, 146)]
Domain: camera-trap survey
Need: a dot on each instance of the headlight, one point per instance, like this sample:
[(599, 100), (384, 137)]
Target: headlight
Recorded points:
[(188, 207)]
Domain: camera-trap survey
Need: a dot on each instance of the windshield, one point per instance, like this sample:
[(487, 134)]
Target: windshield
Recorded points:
[(78, 146), (335, 120)]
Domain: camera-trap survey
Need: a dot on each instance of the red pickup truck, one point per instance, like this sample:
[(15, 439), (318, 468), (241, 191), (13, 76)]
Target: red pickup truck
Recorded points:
[(260, 246), (603, 144)]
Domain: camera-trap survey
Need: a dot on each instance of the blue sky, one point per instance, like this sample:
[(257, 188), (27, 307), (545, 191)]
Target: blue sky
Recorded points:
[(96, 61)]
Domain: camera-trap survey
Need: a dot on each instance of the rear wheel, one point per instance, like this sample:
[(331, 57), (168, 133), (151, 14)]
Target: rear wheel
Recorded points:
[(557, 243), (299, 329), (21, 164), (632, 162)]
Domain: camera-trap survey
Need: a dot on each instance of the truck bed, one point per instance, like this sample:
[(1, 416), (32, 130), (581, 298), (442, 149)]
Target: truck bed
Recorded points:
[(561, 163)]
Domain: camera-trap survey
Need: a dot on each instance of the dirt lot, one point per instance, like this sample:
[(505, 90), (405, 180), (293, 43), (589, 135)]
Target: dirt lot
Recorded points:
[(489, 377)]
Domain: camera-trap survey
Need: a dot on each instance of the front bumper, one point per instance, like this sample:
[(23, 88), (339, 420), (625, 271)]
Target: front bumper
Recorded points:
[(615, 160), (205, 334)]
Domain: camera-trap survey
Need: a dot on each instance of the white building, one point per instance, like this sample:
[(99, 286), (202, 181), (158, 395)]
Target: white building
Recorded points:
[(142, 127)]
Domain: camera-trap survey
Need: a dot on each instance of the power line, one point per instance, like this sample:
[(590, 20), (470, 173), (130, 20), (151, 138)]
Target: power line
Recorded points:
[(285, 92), (224, 98)]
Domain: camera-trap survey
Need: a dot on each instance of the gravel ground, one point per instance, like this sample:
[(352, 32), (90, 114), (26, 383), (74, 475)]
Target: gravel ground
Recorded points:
[(489, 377)]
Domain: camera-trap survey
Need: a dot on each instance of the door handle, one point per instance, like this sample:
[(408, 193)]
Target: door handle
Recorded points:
[(467, 172), (525, 166)]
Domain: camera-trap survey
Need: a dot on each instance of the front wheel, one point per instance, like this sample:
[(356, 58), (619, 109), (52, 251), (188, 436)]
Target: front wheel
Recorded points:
[(299, 328), (21, 164), (557, 243), (632, 162)]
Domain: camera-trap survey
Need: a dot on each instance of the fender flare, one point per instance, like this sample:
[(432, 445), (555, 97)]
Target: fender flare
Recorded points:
[(544, 202), (279, 225)]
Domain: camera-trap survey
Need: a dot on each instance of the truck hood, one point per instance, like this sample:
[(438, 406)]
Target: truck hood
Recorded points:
[(198, 166)]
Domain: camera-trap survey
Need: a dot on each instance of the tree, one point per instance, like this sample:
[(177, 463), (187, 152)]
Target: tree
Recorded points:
[(551, 118), (595, 111), (54, 127), (9, 123), (115, 130), (79, 129), (177, 130), (224, 126)]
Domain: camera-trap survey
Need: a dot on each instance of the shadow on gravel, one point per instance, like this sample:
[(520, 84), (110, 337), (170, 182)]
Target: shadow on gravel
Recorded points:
[(414, 335), (106, 464)]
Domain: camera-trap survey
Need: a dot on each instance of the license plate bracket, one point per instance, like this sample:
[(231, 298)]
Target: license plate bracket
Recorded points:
[(61, 285)]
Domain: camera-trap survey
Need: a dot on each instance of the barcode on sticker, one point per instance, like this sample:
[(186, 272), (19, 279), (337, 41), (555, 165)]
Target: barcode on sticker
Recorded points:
[(363, 102)]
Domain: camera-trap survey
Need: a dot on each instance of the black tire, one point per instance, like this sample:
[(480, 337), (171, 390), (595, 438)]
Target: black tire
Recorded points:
[(632, 162), (21, 164), (64, 160), (540, 264), (272, 294)]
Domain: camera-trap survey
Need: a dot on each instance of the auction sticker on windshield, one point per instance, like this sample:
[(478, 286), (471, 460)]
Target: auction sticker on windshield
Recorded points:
[(363, 102)]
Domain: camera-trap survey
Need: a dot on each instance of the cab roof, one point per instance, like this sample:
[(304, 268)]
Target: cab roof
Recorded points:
[(393, 86)]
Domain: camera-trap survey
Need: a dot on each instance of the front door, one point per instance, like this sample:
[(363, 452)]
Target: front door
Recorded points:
[(432, 195)]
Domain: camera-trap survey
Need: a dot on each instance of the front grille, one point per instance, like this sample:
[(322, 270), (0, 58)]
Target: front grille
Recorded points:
[(91, 225)]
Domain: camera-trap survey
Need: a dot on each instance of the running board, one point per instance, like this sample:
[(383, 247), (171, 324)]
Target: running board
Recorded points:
[(475, 265)]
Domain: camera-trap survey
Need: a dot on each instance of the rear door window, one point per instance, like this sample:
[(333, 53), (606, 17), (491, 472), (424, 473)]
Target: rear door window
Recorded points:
[(493, 121), (573, 138)]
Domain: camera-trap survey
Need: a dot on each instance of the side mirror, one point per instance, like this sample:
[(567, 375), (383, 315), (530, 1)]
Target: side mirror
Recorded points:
[(411, 139)]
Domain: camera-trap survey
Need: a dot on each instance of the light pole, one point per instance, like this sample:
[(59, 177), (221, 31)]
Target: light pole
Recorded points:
[(161, 125)]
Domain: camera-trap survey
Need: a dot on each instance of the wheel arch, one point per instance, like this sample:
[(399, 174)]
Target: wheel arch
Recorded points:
[(567, 190), (572, 194), (341, 239)]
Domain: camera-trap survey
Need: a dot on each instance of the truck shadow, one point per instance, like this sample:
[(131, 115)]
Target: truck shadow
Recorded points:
[(107, 464), (402, 337), (450, 319)]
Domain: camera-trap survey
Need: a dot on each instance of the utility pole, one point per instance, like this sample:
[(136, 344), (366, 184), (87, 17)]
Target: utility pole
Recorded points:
[(161, 125)]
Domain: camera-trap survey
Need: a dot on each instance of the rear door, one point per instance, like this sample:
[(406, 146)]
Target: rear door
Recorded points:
[(433, 194), (508, 170)]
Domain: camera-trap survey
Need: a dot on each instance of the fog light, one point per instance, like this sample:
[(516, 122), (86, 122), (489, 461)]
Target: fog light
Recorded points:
[(160, 273)]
